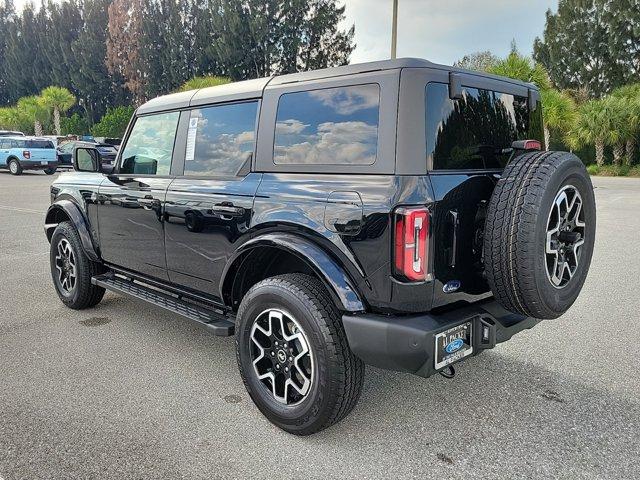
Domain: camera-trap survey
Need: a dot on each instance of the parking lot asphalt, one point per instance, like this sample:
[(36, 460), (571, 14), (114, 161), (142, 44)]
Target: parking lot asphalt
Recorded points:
[(126, 390)]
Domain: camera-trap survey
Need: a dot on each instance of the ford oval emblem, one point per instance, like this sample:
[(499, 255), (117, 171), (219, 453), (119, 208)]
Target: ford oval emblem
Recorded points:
[(451, 286), (454, 346)]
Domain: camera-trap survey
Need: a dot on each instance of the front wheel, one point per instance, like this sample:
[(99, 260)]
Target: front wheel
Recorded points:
[(50, 170), (293, 354), (72, 270)]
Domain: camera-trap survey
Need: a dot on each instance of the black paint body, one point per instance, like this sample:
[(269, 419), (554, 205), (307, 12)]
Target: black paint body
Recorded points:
[(200, 235)]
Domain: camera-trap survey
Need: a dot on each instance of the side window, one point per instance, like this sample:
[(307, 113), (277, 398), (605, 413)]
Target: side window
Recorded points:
[(67, 147), (332, 126), (475, 131), (149, 148), (4, 143), (220, 139)]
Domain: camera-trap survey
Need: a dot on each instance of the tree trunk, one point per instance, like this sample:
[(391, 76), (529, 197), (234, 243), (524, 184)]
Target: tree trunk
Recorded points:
[(37, 128), (618, 153), (547, 138), (56, 121), (630, 150), (599, 152)]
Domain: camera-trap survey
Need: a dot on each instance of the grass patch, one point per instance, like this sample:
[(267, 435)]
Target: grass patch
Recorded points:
[(614, 170)]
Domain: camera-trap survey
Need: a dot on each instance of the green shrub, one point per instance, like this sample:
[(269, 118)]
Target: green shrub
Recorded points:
[(614, 170), (74, 125), (113, 123)]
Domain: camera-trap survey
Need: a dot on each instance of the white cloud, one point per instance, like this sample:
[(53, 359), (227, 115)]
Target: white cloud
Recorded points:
[(347, 101), (334, 143), (290, 127)]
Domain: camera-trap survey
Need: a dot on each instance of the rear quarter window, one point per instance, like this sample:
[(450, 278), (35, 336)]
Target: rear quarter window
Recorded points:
[(473, 132), (39, 144), (331, 126)]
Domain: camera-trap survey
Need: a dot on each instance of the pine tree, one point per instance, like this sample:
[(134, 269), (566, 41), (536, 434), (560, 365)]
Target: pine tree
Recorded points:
[(7, 13), (591, 43), (94, 86)]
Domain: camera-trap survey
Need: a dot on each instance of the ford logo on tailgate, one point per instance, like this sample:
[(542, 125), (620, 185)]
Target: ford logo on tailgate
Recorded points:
[(454, 346)]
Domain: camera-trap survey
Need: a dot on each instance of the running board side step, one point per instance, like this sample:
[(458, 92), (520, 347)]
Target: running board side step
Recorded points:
[(215, 322)]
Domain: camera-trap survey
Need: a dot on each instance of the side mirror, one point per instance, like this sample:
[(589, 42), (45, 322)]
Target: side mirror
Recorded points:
[(86, 159)]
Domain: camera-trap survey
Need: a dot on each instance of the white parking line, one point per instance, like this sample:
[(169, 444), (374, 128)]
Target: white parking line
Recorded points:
[(23, 210)]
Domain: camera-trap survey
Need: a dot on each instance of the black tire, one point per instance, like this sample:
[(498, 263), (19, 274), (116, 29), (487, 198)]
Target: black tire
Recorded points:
[(337, 375), (14, 167), (515, 241), (50, 171), (83, 294)]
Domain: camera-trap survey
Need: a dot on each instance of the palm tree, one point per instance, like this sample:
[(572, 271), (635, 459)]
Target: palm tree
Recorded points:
[(202, 82), (11, 118), (57, 100), (522, 68), (630, 95), (33, 109), (596, 125), (558, 111)]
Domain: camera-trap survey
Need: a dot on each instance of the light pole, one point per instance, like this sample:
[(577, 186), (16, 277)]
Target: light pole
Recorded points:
[(394, 30)]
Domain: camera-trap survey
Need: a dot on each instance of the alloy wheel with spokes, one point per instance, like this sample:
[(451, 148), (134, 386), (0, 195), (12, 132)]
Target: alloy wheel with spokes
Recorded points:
[(65, 263), (14, 167), (281, 356), (565, 236)]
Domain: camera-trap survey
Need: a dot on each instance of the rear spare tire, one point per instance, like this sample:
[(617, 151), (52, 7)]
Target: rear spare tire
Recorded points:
[(539, 233)]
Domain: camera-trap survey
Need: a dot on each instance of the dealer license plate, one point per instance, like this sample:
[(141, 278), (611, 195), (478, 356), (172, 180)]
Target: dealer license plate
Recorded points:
[(44, 162), (453, 345)]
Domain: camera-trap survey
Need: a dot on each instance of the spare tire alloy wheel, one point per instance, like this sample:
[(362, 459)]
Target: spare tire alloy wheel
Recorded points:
[(281, 356), (65, 263), (565, 236), (540, 234)]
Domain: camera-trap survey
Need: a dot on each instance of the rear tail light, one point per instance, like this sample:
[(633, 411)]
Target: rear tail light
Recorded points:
[(411, 244), (26, 154)]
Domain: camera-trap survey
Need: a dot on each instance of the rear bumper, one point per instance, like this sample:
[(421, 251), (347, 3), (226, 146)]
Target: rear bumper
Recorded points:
[(37, 165), (407, 343)]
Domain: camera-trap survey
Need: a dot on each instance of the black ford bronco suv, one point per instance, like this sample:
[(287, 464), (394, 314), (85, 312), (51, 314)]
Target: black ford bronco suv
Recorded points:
[(400, 214)]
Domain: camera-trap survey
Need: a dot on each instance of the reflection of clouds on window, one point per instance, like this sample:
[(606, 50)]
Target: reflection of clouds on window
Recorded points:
[(330, 126), (151, 140), (346, 101), (343, 142), (290, 127), (224, 139)]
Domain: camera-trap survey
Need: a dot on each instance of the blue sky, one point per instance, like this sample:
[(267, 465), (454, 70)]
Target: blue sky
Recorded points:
[(442, 30)]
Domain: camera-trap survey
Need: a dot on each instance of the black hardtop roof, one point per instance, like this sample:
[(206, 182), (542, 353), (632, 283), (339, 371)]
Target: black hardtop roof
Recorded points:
[(254, 88)]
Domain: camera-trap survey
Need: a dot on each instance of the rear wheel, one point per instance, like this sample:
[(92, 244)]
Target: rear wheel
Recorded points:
[(540, 233), (14, 167), (72, 270), (293, 354), (50, 170)]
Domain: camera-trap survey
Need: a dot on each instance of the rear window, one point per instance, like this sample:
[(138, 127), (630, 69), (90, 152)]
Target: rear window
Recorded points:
[(331, 126), (471, 133), (38, 144)]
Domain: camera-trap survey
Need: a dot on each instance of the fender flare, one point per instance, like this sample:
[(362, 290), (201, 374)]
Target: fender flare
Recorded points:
[(78, 219), (328, 270)]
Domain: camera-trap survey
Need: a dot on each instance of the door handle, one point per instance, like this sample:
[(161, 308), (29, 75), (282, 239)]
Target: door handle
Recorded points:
[(228, 210)]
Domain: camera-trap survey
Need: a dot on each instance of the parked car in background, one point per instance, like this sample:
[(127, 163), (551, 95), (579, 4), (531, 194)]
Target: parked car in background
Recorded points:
[(28, 153), (107, 152), (110, 141), (10, 133)]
